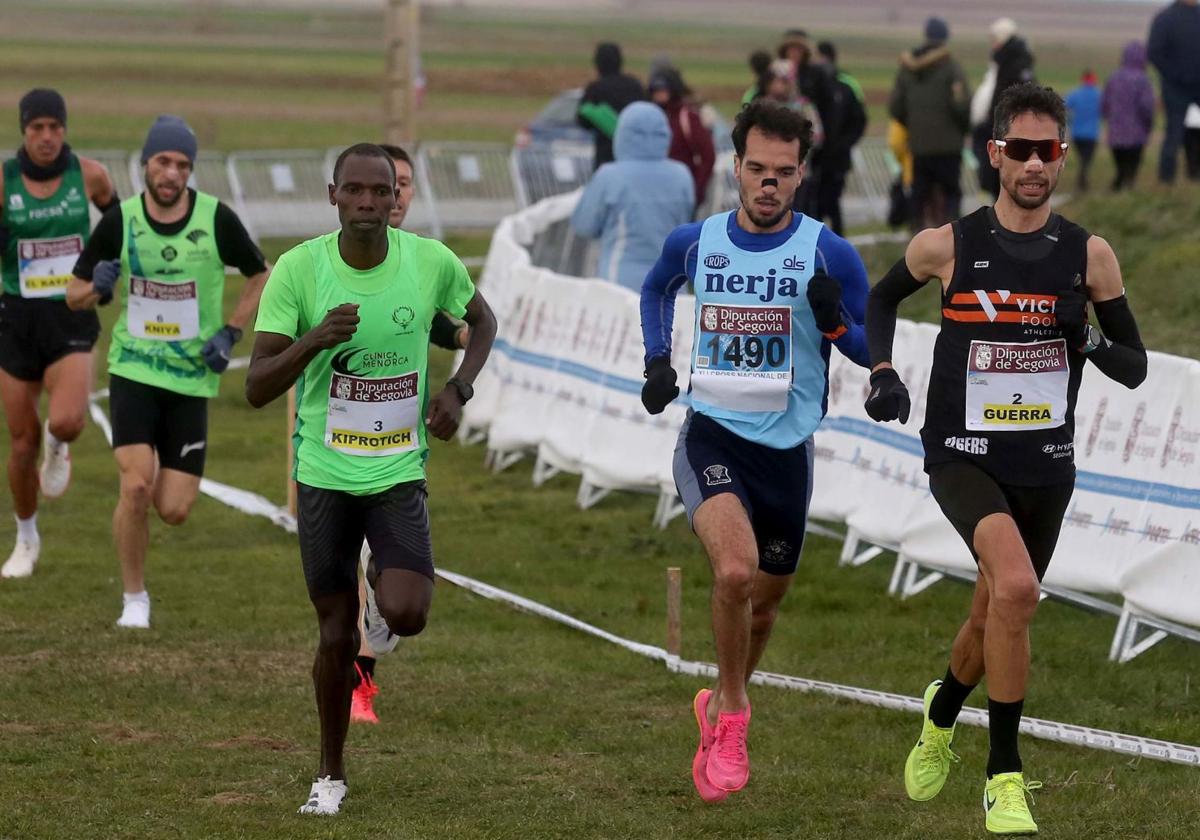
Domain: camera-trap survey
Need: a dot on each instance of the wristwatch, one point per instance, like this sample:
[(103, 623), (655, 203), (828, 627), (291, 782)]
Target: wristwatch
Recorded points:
[(465, 391), (1094, 341)]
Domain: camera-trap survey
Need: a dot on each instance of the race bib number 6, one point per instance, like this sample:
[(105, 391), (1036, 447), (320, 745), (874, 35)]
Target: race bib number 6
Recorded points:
[(162, 311), (372, 416), (742, 356), (1015, 387)]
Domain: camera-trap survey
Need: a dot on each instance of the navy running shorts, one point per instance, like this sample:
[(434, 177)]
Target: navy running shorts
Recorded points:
[(774, 485)]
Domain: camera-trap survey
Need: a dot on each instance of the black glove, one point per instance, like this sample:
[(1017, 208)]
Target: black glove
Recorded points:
[(825, 298), (104, 279), (660, 388), (216, 350), (1070, 313), (888, 399)]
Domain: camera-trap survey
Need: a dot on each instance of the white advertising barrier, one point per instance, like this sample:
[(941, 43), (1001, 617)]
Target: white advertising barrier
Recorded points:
[(578, 372), (1136, 486)]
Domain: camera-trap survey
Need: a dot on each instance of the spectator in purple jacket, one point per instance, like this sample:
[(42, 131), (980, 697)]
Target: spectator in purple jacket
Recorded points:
[(1128, 108)]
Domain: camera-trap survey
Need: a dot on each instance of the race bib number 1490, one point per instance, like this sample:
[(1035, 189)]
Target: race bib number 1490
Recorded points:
[(742, 357)]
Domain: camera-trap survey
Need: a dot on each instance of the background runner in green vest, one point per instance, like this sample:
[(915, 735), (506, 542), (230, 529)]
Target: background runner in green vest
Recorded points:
[(346, 318), (374, 636), (165, 252), (43, 227)]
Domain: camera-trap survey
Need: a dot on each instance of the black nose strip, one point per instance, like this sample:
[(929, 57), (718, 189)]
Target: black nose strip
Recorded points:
[(770, 182)]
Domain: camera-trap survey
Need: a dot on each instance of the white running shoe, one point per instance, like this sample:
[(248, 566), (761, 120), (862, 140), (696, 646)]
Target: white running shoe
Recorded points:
[(136, 614), (22, 560), (55, 472), (381, 639), (325, 798)]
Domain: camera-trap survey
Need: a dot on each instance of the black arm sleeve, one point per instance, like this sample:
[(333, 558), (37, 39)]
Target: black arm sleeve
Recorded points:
[(1124, 358), (882, 302), (112, 202), (442, 331), (103, 244), (234, 244)]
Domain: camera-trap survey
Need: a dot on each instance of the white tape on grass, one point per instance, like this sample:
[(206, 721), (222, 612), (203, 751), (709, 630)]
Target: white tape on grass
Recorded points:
[(1048, 730)]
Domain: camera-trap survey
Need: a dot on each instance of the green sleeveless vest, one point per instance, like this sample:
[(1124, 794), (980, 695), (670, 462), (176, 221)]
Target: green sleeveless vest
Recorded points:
[(46, 235)]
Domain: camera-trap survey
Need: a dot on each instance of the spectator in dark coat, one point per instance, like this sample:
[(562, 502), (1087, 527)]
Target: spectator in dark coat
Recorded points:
[(815, 83), (1175, 52), (932, 101), (691, 141), (849, 125), (1014, 64), (605, 98), (1128, 107)]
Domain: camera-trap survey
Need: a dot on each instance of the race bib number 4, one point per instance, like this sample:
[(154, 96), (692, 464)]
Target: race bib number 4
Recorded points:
[(373, 416), (742, 356), (162, 311), (1016, 387), (44, 266)]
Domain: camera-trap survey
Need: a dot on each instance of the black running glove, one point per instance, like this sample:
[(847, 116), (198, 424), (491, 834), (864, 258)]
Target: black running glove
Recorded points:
[(825, 298), (1070, 312), (218, 349), (104, 279), (660, 388), (888, 399)]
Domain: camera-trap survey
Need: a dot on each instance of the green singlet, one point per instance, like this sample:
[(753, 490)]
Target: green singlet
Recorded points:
[(360, 406), (173, 289), (46, 235)]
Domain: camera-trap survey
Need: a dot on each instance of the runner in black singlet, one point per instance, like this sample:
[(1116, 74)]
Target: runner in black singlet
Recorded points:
[(1017, 280)]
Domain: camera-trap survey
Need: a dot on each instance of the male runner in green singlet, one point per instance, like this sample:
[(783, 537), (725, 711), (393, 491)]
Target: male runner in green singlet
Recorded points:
[(346, 318), (43, 227)]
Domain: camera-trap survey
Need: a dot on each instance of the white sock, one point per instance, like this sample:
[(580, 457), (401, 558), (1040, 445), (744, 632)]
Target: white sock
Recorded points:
[(51, 439), (27, 529), (130, 597)]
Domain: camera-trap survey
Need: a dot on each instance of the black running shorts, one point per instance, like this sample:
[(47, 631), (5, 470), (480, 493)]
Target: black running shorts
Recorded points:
[(966, 494), (334, 523), (35, 334), (774, 485), (175, 425)]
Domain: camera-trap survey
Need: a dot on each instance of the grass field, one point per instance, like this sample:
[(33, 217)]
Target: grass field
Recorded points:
[(497, 724)]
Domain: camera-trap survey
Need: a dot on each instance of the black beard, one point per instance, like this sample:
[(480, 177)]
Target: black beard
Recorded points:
[(172, 202), (769, 221)]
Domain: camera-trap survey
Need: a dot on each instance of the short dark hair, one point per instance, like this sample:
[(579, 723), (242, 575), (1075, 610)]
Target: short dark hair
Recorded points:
[(362, 150), (773, 120), (827, 49), (396, 153), (1028, 97)]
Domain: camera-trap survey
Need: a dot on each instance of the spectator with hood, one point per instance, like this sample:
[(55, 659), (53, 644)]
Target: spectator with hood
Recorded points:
[(691, 141), (1174, 50), (633, 203), (605, 97), (931, 100), (1083, 105), (1013, 63), (1128, 107)]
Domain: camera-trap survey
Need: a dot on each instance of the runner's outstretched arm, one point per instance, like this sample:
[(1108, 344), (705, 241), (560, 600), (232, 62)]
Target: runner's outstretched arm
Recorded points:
[(1120, 354), (842, 262), (930, 254), (661, 286), (278, 360)]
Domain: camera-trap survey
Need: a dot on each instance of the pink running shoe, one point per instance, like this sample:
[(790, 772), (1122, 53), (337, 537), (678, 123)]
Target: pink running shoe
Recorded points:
[(362, 708), (728, 765), (707, 790)]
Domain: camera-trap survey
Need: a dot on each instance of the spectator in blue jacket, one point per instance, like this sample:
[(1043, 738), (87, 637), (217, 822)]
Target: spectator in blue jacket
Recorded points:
[(1173, 50), (632, 203), (1083, 105)]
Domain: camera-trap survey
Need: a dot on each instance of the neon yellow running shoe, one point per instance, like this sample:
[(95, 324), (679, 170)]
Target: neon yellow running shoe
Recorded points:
[(1005, 806), (928, 764)]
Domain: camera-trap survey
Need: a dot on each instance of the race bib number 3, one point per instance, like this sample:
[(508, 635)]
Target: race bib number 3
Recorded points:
[(44, 266), (163, 311), (1016, 387), (373, 416), (742, 356)]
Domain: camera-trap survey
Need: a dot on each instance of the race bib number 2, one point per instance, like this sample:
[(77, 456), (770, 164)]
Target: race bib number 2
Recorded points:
[(373, 416), (1015, 387), (742, 356), (44, 266)]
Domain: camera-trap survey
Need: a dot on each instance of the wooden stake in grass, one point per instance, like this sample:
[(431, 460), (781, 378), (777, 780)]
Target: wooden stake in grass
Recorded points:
[(291, 453), (674, 599), (402, 28)]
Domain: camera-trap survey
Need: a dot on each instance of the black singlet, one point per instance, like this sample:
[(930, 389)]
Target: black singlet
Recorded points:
[(1003, 385)]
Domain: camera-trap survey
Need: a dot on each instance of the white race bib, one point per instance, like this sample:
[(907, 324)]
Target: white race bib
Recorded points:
[(373, 416), (162, 311), (1015, 387), (742, 356), (45, 266)]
